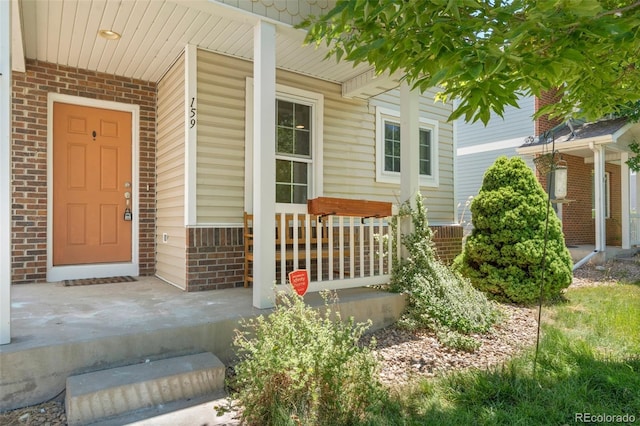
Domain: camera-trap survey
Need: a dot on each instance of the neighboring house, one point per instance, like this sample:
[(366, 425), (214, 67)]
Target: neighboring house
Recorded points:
[(140, 155), (598, 209), (478, 146)]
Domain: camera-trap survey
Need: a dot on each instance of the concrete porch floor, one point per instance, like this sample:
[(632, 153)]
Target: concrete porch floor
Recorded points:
[(60, 331)]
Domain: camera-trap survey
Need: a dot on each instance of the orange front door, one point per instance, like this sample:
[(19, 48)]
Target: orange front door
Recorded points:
[(91, 174)]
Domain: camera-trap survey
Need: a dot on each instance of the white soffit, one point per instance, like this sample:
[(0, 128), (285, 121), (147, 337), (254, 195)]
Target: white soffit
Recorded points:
[(155, 32), (368, 84)]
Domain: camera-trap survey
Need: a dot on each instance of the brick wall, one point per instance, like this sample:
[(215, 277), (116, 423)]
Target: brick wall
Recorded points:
[(448, 241), (578, 224), (544, 123), (29, 157), (215, 258)]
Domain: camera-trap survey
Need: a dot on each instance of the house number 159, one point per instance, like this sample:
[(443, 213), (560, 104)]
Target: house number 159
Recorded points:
[(192, 113)]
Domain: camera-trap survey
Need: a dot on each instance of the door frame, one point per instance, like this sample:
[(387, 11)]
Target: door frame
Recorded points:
[(100, 270)]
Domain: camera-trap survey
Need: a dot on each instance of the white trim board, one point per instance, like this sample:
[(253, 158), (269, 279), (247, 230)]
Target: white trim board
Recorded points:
[(491, 146), (5, 171), (191, 134), (59, 273)]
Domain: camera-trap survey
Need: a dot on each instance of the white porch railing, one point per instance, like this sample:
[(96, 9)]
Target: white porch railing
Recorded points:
[(338, 252), (634, 225)]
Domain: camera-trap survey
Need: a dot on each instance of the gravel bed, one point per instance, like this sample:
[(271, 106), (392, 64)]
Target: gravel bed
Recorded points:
[(612, 272), (408, 355), (47, 414)]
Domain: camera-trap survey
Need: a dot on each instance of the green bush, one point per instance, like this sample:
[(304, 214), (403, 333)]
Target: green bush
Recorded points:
[(299, 366), (503, 254), (438, 298)]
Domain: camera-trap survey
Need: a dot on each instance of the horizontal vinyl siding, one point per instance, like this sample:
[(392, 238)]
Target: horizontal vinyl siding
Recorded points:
[(349, 146), (516, 122), (348, 142), (221, 138), (439, 201), (479, 146), (471, 169), (171, 256)]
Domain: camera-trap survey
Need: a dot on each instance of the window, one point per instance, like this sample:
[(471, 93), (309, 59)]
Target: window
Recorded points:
[(388, 148), (392, 149), (293, 151), (425, 152), (298, 151), (607, 197)]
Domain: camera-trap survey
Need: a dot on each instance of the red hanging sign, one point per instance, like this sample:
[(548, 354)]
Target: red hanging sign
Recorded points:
[(299, 279)]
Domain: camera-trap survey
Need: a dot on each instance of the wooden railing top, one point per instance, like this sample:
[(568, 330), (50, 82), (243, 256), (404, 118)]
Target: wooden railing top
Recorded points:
[(329, 206)]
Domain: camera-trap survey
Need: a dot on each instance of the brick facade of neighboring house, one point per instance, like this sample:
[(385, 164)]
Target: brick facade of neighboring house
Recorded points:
[(544, 123), (448, 241), (578, 223), (29, 157)]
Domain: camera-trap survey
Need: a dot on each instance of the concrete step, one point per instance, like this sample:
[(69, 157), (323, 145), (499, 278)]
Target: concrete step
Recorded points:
[(99, 395)]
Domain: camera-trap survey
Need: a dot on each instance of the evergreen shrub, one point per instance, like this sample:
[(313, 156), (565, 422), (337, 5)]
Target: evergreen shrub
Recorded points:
[(503, 255)]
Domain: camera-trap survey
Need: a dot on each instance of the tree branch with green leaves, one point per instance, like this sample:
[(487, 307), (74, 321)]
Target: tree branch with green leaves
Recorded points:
[(488, 53)]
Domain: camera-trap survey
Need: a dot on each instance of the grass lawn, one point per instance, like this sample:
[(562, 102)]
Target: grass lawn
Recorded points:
[(589, 362)]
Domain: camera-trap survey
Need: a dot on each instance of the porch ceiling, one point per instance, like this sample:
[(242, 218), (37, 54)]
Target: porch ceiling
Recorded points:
[(154, 33)]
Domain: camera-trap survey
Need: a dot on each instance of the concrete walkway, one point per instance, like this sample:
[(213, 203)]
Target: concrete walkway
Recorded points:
[(204, 413)]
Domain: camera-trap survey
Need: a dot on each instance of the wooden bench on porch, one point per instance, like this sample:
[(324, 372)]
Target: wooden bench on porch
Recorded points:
[(294, 246), (295, 240)]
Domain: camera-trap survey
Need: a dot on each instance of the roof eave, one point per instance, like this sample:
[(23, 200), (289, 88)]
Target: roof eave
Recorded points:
[(566, 146)]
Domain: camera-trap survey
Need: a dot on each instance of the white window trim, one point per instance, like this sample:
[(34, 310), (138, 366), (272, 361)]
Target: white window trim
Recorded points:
[(384, 114), (292, 94)]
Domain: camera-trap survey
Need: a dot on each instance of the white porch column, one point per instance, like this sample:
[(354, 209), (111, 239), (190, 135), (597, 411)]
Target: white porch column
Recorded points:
[(5, 172), (637, 206), (409, 143), (625, 195), (599, 176), (264, 163), (409, 153)]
